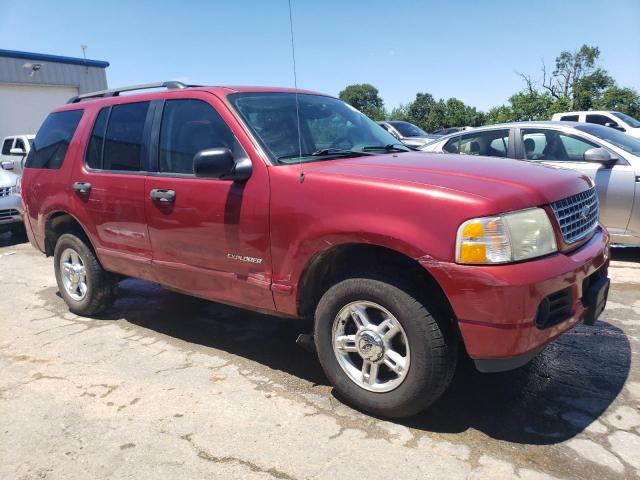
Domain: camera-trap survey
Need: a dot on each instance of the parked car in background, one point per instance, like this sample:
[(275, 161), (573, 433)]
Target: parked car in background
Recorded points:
[(618, 120), (611, 158), (10, 203), (14, 152), (294, 203), (408, 133), (447, 131)]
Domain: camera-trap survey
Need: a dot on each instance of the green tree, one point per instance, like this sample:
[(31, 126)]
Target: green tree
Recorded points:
[(576, 78), (500, 114), (398, 113), (365, 98), (625, 100), (418, 111), (530, 106)]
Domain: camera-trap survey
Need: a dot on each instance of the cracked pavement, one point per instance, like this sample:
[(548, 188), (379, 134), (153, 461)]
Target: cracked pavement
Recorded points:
[(164, 385)]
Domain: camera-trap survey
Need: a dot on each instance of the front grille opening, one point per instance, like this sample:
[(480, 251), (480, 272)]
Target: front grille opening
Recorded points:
[(577, 215), (554, 308), (5, 214)]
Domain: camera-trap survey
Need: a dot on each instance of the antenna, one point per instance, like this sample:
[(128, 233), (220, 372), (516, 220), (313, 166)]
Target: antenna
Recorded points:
[(295, 84), (84, 54)]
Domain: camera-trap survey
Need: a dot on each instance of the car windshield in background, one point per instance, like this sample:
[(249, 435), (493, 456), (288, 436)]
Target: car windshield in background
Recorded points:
[(611, 135), (407, 129), (329, 128), (632, 122)]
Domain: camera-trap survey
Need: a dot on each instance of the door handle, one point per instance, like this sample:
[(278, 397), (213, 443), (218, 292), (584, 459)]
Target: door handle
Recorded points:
[(162, 195), (83, 188)]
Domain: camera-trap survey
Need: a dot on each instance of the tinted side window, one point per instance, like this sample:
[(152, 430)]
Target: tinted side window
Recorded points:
[(96, 142), (452, 146), (542, 144), (601, 120), (493, 143), (51, 142), (575, 147), (19, 144), (569, 118), (123, 140), (189, 126), (6, 146)]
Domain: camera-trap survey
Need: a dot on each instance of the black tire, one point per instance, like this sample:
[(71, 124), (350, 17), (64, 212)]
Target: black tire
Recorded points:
[(101, 285), (433, 348)]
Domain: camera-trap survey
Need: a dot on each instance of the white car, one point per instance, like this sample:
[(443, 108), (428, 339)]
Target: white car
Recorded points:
[(14, 152), (10, 203), (609, 157), (619, 121)]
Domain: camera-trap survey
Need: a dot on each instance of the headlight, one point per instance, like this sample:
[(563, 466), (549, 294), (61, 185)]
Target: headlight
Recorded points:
[(16, 187), (505, 238)]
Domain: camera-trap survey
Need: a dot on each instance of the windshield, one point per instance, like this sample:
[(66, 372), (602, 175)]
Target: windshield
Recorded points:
[(632, 122), (329, 128), (407, 129), (611, 135)]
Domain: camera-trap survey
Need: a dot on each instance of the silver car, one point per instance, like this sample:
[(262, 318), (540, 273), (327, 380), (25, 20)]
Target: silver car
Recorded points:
[(611, 158), (10, 202), (408, 133)]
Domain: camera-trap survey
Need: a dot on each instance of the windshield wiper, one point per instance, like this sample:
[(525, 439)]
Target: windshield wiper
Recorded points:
[(392, 147), (336, 151), (326, 152)]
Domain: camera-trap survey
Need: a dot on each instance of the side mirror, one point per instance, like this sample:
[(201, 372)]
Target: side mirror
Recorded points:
[(599, 155), (17, 151), (219, 163), (614, 125), (7, 165)]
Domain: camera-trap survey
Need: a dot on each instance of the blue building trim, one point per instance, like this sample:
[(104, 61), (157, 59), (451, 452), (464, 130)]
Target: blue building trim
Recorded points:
[(42, 57)]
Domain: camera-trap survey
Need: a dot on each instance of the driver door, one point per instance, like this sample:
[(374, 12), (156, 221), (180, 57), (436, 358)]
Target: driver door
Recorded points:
[(209, 237), (615, 184)]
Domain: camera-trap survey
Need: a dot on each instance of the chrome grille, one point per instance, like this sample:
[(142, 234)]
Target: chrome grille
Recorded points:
[(5, 192), (8, 213), (577, 215)]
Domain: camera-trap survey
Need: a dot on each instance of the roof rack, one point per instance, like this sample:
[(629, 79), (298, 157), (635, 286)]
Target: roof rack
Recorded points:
[(171, 85)]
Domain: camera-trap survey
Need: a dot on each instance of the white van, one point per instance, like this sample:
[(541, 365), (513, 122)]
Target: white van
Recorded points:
[(618, 120), (14, 152)]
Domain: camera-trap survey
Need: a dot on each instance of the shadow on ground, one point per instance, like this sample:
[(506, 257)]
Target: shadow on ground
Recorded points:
[(548, 401), (626, 254), (8, 239)]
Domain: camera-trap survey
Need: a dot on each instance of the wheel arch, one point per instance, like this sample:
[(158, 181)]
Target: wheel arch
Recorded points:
[(57, 224), (346, 260)]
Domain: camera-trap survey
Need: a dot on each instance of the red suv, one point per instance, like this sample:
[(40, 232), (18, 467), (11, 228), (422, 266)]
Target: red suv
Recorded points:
[(295, 204)]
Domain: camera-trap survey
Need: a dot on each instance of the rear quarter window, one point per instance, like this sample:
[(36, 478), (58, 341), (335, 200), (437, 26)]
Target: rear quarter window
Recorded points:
[(53, 138), (6, 146)]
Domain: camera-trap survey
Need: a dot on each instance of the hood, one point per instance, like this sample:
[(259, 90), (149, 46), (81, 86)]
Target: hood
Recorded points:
[(415, 141), (7, 179), (506, 184)]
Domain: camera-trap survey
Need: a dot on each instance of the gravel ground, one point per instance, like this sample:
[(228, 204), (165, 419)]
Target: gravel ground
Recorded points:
[(166, 386)]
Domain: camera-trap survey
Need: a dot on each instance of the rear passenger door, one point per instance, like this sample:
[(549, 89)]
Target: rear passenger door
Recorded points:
[(108, 190), (209, 237)]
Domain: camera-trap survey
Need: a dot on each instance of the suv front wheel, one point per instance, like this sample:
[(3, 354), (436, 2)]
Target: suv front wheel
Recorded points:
[(85, 286), (381, 348)]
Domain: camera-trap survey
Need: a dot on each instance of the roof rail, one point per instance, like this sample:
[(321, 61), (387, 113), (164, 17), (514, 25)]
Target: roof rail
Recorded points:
[(171, 85)]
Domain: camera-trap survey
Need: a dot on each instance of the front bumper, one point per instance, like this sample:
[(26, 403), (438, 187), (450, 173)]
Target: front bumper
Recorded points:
[(497, 306), (10, 209)]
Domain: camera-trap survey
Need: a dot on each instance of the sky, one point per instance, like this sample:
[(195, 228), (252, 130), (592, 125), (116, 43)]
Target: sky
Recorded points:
[(466, 49)]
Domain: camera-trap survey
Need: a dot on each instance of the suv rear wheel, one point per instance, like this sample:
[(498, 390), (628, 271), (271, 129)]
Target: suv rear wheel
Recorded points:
[(381, 348), (85, 286)]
